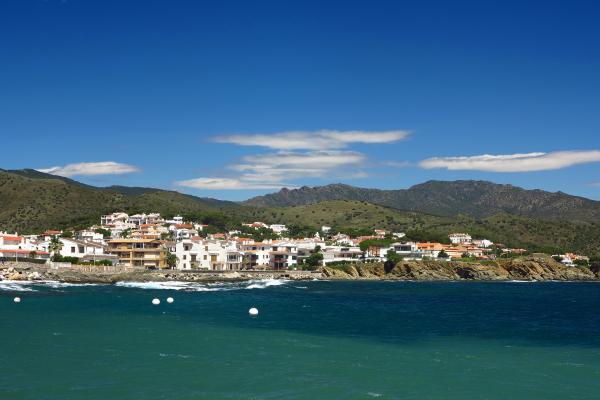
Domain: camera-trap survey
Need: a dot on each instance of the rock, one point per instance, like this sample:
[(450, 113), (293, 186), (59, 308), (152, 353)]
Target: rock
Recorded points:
[(34, 276), (15, 276)]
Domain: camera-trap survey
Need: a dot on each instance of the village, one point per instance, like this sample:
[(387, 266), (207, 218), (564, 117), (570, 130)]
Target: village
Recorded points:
[(149, 241)]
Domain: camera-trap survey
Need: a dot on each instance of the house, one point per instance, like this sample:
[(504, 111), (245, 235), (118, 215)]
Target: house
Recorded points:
[(408, 250), (145, 253), (183, 231), (341, 253), (278, 228), (90, 236), (429, 249), (283, 255), (112, 219), (460, 238), (84, 250), (256, 255), (380, 233), (212, 255), (483, 243)]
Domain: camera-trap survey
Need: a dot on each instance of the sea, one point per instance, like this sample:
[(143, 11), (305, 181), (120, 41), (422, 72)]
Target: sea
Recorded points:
[(310, 340)]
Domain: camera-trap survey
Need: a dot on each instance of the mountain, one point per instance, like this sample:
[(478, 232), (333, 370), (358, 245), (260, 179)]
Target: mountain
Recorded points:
[(477, 199), (31, 201)]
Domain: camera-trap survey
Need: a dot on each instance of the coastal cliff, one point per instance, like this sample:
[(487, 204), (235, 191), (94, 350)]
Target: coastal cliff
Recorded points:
[(530, 268)]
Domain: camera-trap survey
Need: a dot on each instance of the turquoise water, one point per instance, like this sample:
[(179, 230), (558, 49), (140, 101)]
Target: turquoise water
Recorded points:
[(311, 340)]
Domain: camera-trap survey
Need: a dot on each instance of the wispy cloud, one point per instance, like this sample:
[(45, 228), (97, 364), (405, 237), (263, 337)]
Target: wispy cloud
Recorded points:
[(313, 140), (527, 162), (227, 184), (269, 171), (91, 168), (594, 184)]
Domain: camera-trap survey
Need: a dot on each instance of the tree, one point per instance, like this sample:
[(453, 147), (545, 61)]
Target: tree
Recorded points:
[(443, 254), (581, 262), (55, 246), (171, 260), (105, 232), (67, 234), (393, 256), (32, 254), (315, 259)]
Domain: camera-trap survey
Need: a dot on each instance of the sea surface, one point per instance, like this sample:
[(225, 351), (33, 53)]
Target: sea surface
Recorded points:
[(311, 340)]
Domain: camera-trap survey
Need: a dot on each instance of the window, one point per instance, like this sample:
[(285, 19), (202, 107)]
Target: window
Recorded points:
[(205, 257), (72, 249)]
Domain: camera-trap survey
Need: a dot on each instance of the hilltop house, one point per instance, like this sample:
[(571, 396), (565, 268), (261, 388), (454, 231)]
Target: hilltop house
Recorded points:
[(460, 238)]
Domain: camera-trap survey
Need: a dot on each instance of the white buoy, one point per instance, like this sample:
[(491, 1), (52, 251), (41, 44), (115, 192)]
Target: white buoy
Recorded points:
[(170, 300), (253, 311), (155, 302), (17, 299)]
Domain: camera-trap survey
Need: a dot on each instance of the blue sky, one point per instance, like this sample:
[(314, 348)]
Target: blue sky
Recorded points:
[(235, 99)]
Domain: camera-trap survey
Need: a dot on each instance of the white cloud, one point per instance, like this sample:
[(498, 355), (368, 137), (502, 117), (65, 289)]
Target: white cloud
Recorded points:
[(315, 140), (271, 171), (514, 162), (91, 168), (594, 184), (226, 184)]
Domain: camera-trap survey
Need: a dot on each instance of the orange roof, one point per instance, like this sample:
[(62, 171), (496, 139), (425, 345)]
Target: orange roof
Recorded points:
[(49, 232), (11, 237), (184, 226)]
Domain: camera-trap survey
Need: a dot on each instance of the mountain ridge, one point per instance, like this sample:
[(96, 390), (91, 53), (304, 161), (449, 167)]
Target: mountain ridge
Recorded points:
[(478, 199)]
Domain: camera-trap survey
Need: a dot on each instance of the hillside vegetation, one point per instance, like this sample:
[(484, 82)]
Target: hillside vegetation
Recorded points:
[(31, 202)]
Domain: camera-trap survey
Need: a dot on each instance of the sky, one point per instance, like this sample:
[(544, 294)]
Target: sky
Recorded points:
[(233, 99)]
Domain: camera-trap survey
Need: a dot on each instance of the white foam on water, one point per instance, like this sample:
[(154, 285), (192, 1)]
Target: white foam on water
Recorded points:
[(203, 287), (16, 286), (262, 284), (58, 285)]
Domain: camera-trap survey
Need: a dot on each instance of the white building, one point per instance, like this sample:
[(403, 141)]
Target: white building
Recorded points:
[(283, 255), (278, 228), (341, 253), (90, 236), (85, 251), (256, 255), (460, 238), (114, 218), (212, 255), (483, 243)]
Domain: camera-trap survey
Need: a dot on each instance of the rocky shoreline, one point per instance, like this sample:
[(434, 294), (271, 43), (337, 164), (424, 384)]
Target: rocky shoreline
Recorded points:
[(530, 268)]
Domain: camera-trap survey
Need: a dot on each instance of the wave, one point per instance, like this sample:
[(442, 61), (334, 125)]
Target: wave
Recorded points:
[(16, 286), (203, 287), (28, 286), (265, 283)]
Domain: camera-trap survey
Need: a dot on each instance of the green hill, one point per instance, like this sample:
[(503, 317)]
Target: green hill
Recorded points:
[(32, 202)]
